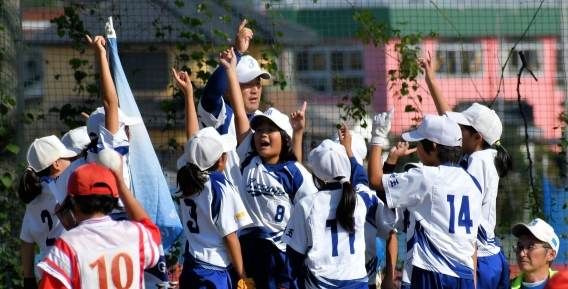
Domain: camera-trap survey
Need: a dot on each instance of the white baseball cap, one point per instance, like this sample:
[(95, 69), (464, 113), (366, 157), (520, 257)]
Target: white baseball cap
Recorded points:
[(46, 150), (98, 117), (483, 119), (438, 129), (540, 230), (248, 69), (206, 146), (358, 146), (279, 119), (329, 160), (77, 138)]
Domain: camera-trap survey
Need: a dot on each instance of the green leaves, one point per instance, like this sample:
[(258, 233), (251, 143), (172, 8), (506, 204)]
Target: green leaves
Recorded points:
[(13, 148)]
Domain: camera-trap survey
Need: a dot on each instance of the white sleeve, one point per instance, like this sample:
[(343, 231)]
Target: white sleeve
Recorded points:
[(232, 216), (25, 234), (112, 141), (308, 187), (477, 169), (244, 147), (406, 189), (298, 233), (386, 220)]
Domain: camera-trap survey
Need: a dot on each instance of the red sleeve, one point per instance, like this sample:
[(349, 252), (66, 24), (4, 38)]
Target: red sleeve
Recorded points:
[(153, 229), (49, 282)]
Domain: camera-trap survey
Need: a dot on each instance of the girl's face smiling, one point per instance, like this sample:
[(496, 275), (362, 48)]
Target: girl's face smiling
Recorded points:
[(268, 141)]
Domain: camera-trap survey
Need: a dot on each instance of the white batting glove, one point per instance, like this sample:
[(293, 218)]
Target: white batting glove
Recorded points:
[(381, 128)]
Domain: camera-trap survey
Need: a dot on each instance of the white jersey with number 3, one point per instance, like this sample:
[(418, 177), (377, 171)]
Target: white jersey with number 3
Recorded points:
[(334, 258), (102, 253), (208, 217), (444, 202)]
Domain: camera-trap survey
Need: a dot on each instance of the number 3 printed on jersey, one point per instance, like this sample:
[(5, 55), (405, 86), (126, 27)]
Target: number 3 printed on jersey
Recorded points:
[(192, 222), (464, 219)]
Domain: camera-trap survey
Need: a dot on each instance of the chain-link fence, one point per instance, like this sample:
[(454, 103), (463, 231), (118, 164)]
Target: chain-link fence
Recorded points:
[(347, 59)]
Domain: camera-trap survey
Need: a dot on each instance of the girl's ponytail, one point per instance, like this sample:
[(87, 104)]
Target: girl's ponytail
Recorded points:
[(346, 208), (30, 187), (190, 180), (503, 161)]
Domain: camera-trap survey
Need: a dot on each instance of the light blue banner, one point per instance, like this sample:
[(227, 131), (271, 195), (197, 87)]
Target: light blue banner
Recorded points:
[(148, 181)]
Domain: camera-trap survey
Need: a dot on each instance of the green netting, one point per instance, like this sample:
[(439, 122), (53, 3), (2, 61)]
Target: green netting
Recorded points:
[(325, 52)]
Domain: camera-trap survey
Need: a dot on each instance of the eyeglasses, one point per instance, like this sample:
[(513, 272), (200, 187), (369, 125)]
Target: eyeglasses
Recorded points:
[(530, 247)]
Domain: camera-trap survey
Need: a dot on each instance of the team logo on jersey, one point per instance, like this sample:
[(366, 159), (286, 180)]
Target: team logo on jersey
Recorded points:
[(289, 232), (393, 181), (256, 189)]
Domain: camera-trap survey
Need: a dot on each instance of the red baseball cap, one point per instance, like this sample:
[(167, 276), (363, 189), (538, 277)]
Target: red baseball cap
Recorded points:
[(92, 179)]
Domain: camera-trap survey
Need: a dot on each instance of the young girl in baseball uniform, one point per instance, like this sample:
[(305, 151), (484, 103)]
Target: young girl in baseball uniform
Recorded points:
[(488, 161), (47, 159), (101, 252), (272, 182), (325, 234), (212, 210)]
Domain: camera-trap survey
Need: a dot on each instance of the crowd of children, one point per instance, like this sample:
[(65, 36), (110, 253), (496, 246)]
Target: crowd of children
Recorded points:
[(253, 215)]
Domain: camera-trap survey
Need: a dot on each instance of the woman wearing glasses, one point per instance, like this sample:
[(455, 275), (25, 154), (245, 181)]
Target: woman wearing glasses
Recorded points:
[(537, 246)]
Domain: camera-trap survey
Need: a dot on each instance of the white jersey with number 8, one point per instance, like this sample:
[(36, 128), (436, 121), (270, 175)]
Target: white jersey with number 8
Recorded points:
[(102, 253)]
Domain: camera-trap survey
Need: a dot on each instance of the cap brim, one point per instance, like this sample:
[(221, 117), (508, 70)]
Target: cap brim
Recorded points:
[(412, 136), (458, 117), (70, 152), (249, 76), (229, 142), (520, 229)]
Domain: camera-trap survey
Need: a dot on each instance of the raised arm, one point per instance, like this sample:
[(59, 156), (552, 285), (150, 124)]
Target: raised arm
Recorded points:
[(439, 100), (184, 83), (133, 208), (108, 90), (380, 131), (218, 83), (298, 122), (229, 62)]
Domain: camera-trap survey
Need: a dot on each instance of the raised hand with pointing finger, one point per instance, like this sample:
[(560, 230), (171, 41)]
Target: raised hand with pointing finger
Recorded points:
[(243, 37)]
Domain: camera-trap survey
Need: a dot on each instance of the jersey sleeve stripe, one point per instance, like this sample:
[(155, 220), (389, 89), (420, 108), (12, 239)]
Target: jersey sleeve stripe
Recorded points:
[(62, 276), (66, 250), (141, 248)]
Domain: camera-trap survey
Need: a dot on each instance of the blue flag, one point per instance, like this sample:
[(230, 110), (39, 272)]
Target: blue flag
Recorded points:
[(148, 181)]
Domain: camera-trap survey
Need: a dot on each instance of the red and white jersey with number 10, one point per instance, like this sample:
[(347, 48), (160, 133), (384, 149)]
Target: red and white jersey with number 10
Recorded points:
[(102, 253)]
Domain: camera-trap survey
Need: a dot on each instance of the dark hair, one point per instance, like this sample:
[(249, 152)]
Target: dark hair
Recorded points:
[(286, 152), (30, 187), (346, 208), (446, 154), (90, 204), (503, 161), (190, 180)]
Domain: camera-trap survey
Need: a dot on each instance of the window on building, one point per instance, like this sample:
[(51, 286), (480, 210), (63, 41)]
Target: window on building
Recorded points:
[(560, 73), (331, 69), (533, 56), (32, 73), (458, 60), (146, 70)]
